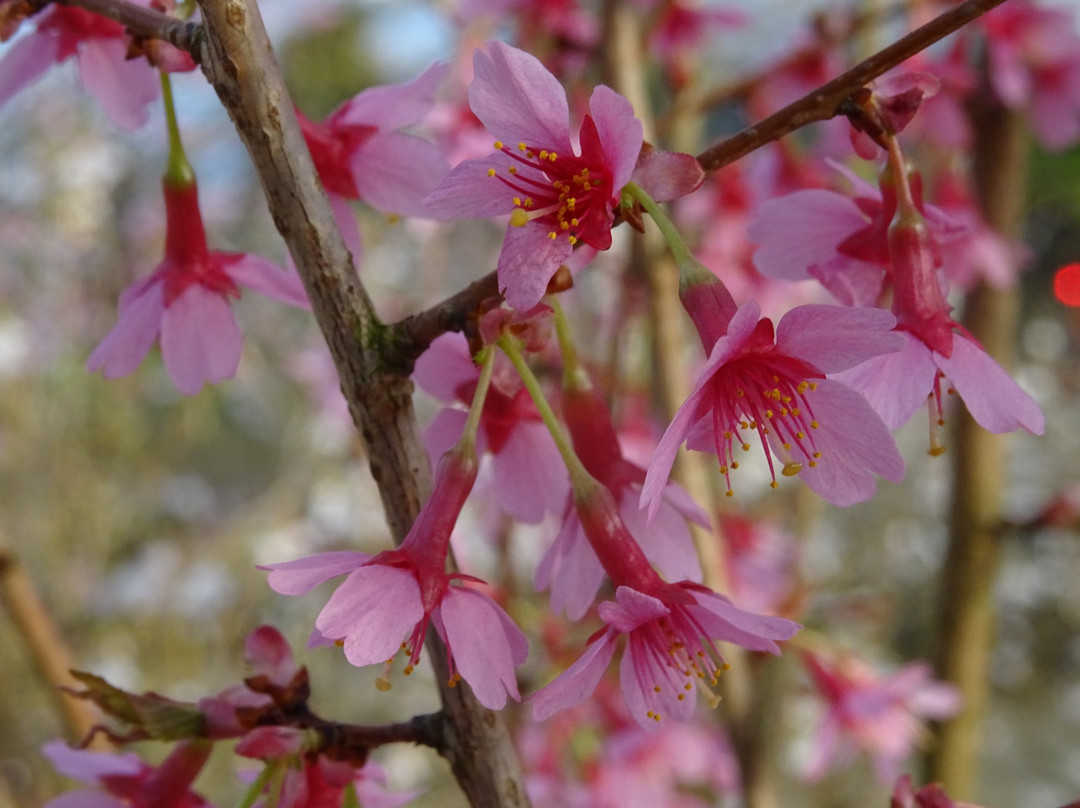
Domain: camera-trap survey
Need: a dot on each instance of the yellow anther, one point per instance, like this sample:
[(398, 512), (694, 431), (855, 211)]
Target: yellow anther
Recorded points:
[(543, 154), (774, 484), (512, 169), (574, 222), (552, 157), (800, 435), (382, 685), (498, 145), (768, 413), (491, 172), (528, 202), (519, 218), (734, 464), (746, 447), (791, 469), (813, 424), (729, 493), (517, 201), (817, 454), (522, 146), (572, 240), (564, 225), (656, 688), (552, 235)]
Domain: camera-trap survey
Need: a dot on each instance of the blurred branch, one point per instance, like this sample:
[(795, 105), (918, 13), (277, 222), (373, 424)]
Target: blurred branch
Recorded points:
[(48, 651), (141, 20), (238, 60), (822, 103)]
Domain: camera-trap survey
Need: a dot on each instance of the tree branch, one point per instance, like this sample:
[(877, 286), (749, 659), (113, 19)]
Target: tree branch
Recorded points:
[(822, 103), (239, 62), (145, 22)]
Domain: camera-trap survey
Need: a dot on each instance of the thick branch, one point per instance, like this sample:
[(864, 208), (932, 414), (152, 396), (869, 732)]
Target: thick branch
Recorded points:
[(145, 22), (823, 103), (239, 61)]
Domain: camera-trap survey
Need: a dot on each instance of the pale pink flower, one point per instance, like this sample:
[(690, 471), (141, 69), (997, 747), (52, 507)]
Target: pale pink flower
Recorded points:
[(775, 389), (570, 569), (124, 87), (185, 302), (316, 781), (527, 474), (125, 780), (556, 196), (387, 601), (881, 715), (1034, 66), (762, 563)]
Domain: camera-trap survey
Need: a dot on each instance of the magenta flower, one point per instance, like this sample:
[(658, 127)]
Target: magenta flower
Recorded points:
[(570, 568), (185, 301), (126, 780), (671, 629), (315, 781), (881, 715), (124, 87), (527, 475), (1034, 55), (556, 196), (393, 597), (776, 390)]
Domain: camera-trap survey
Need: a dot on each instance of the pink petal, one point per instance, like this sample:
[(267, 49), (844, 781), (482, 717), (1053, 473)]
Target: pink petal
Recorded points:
[(137, 326), (374, 609), (25, 62), (835, 338), (851, 281), (444, 367), (271, 742), (393, 106), (443, 432), (470, 192), (347, 226), (854, 444), (527, 261), (620, 133), (518, 100), (266, 277), (486, 644), (269, 654), (394, 172), (577, 682), (668, 175), (123, 87), (800, 230), (995, 401), (631, 609), (639, 678), (90, 767), (86, 799), (200, 340), (304, 574), (894, 384), (723, 620), (530, 476), (665, 539), (656, 479), (570, 570)]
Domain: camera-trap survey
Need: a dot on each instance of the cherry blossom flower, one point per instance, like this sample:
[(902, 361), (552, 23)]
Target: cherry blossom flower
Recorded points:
[(397, 593), (125, 780), (556, 196), (124, 87), (570, 569), (776, 388), (185, 301), (360, 152), (878, 714), (929, 796), (316, 781), (1034, 66), (671, 629), (527, 477)]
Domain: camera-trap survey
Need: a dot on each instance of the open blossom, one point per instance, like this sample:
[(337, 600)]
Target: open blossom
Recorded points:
[(387, 601), (527, 476), (773, 389), (125, 780), (185, 301), (556, 196), (881, 715), (570, 569), (671, 630), (124, 87)]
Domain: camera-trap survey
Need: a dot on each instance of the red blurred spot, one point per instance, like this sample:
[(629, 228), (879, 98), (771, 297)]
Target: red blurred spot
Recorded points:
[(1067, 285)]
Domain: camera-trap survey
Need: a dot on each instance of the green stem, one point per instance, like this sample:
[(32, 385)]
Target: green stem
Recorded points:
[(574, 378), (691, 271), (178, 171), (476, 409), (255, 791), (579, 477)]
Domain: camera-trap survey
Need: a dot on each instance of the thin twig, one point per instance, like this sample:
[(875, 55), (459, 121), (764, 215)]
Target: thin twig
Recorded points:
[(823, 103), (145, 21)]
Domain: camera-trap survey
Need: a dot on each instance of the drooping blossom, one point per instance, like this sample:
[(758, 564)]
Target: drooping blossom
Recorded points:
[(313, 780), (387, 601), (881, 715), (671, 630), (185, 302), (773, 388), (1034, 66), (124, 780), (556, 196), (360, 151), (570, 569), (124, 87), (527, 477)]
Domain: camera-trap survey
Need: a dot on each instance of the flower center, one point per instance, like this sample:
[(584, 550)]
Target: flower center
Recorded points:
[(563, 192)]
